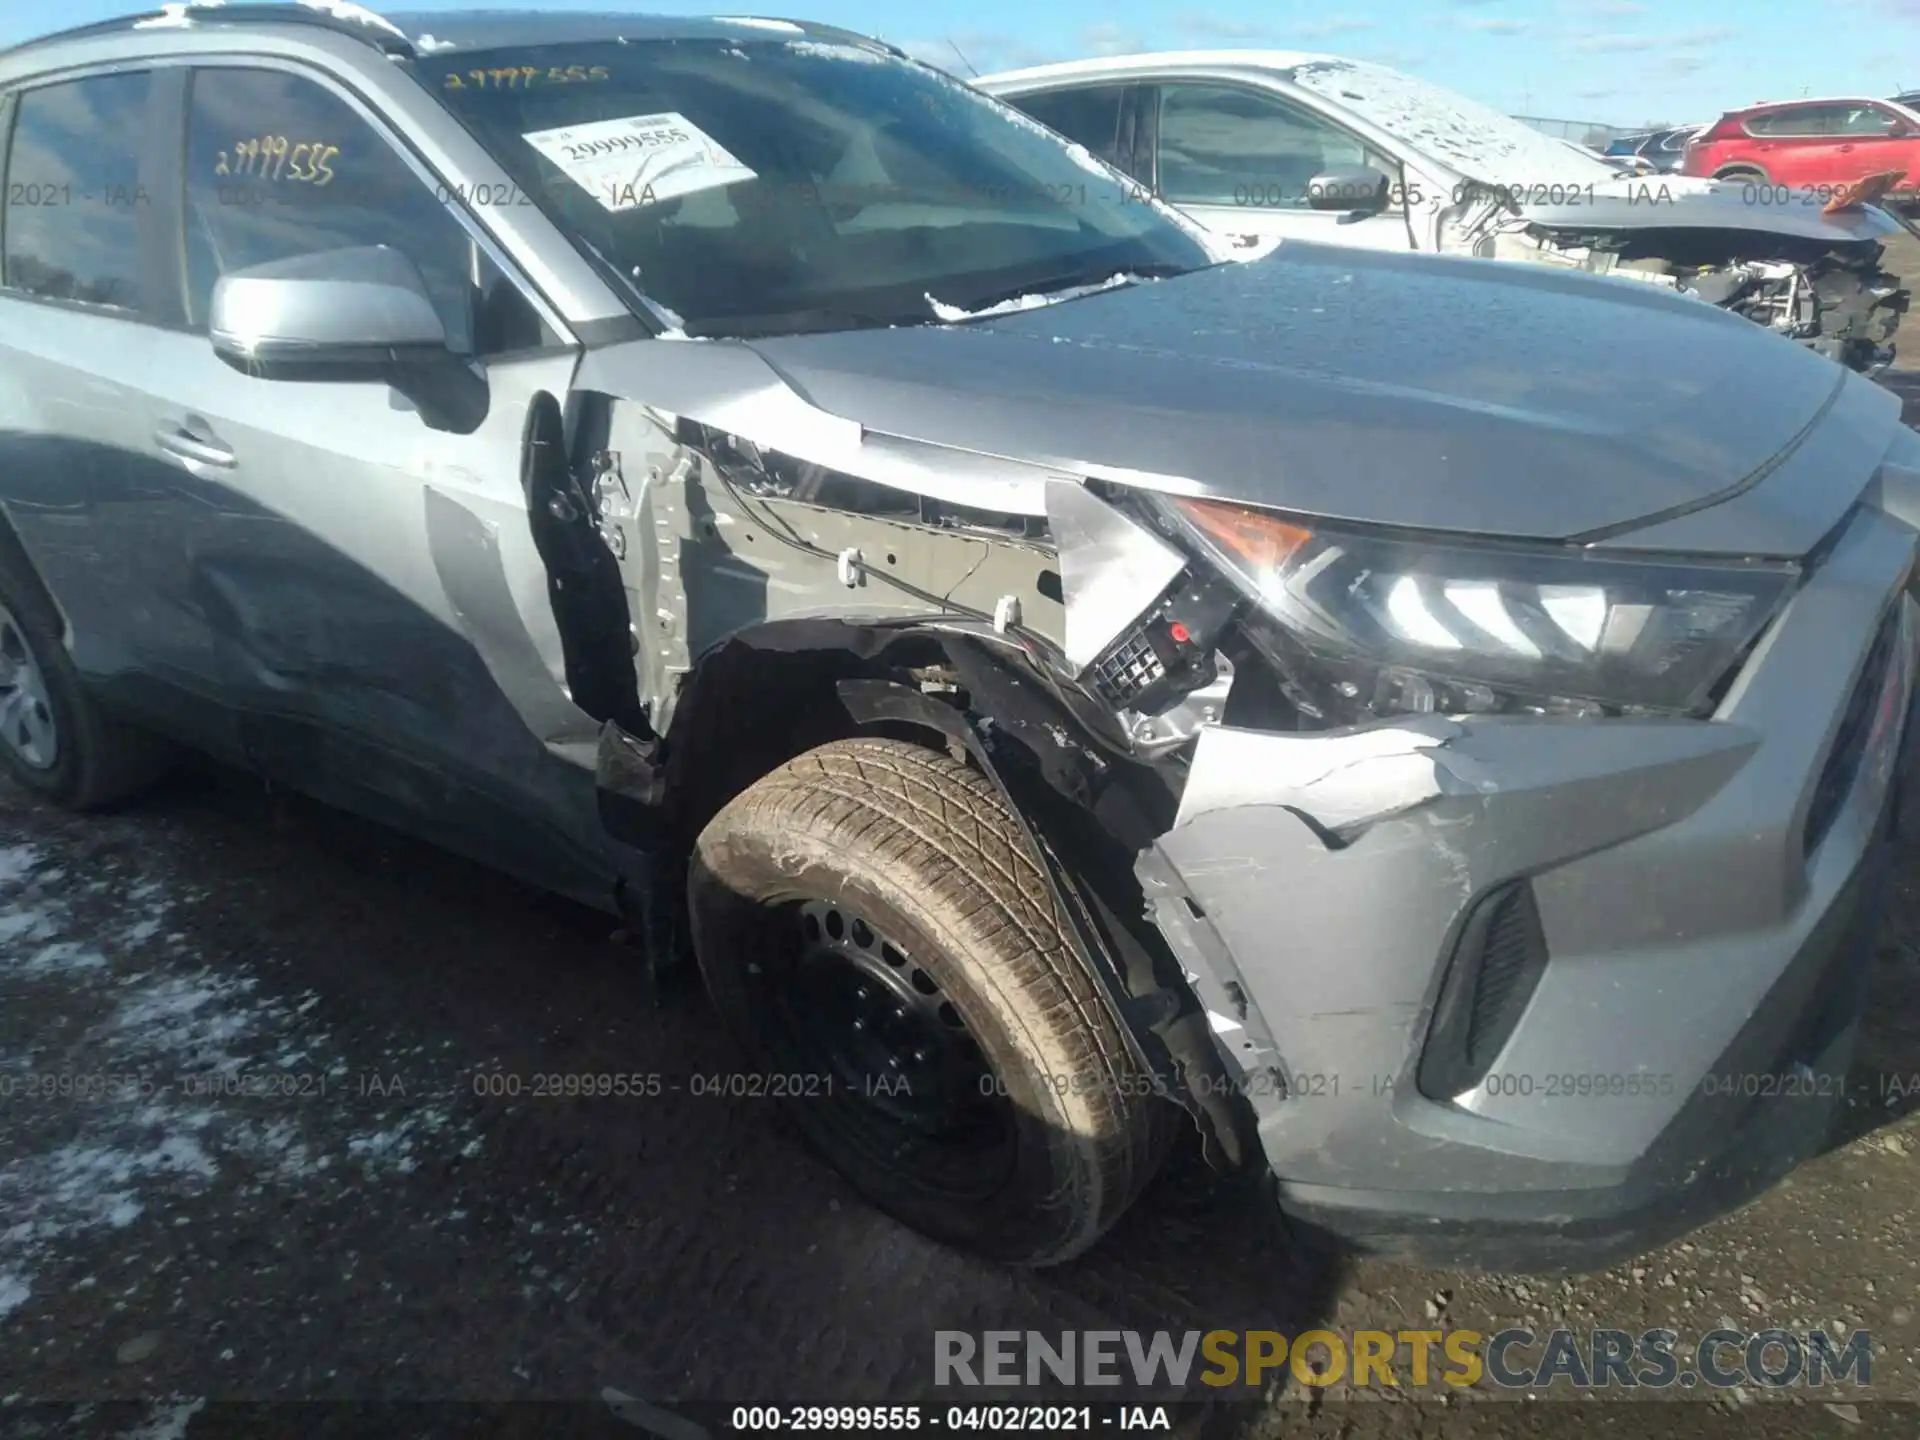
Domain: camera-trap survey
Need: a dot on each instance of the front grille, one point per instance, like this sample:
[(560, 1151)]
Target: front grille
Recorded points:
[(1850, 740)]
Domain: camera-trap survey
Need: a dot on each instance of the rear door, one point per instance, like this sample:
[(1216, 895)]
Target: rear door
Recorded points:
[(371, 595), (1240, 161), (1800, 144), (85, 300)]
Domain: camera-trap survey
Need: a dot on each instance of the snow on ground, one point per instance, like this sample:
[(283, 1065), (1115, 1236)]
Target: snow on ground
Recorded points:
[(191, 1070)]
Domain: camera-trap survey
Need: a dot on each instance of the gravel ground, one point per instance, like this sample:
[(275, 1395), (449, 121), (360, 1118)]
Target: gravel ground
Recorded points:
[(294, 1176), (292, 1183), (1903, 259)]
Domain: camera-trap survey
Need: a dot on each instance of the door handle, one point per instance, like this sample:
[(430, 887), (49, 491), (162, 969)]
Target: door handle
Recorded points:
[(203, 448)]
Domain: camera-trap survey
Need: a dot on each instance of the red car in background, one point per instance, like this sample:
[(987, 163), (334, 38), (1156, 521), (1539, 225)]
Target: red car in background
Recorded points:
[(1810, 145)]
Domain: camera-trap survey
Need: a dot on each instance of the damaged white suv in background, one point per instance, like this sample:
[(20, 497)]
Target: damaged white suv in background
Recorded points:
[(1072, 695), (1267, 145)]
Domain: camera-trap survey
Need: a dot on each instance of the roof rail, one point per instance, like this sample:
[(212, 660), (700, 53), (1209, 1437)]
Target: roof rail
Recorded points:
[(377, 36)]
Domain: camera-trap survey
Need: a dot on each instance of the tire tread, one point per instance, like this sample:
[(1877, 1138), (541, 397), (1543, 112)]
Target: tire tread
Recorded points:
[(938, 820)]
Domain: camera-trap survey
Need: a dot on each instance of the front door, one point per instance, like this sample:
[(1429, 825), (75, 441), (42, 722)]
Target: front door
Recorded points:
[(1241, 162), (1101, 117), (369, 586), (83, 321)]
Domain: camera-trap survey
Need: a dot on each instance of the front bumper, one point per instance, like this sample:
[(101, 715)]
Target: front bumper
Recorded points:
[(1702, 899)]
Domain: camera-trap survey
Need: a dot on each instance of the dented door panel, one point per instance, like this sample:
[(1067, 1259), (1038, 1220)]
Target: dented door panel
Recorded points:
[(369, 594), (101, 514)]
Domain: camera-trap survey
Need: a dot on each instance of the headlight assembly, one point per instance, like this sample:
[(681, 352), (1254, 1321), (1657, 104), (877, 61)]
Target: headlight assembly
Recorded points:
[(1361, 624)]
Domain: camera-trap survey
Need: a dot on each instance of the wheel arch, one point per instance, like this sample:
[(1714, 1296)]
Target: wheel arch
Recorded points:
[(1084, 806), (19, 565)]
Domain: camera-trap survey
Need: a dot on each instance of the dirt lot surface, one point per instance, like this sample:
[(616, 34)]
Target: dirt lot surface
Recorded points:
[(258, 1142), (1903, 259), (286, 1177)]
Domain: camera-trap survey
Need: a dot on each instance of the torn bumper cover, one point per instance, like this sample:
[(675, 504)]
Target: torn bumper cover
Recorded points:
[(1536, 994)]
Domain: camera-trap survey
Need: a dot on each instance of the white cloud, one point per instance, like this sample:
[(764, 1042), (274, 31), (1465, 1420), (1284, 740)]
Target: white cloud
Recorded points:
[(1333, 25), (1218, 27), (1626, 42), (1614, 44), (1107, 38)]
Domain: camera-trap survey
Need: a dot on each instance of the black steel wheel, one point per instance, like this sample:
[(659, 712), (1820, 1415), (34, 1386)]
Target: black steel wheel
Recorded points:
[(877, 935)]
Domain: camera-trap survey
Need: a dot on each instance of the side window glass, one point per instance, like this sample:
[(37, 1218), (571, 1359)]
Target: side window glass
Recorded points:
[(1089, 115), (279, 166), (1866, 120), (1222, 145), (74, 203), (1804, 121)]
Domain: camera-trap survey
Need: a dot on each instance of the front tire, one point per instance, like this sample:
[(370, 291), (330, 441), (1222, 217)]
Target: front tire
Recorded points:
[(54, 741), (871, 912)]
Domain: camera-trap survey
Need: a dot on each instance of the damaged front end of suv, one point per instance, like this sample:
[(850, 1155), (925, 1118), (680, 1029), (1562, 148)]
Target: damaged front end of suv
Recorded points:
[(1064, 683), (1414, 809)]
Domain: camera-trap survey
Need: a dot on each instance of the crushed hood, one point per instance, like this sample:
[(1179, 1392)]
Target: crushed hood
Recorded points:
[(1364, 385)]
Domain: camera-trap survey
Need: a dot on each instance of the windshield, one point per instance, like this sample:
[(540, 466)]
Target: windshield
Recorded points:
[(1474, 139), (763, 186)]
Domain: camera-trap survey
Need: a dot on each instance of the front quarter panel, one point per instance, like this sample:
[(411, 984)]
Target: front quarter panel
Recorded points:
[(704, 560)]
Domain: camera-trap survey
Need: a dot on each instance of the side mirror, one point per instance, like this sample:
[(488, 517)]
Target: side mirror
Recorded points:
[(1358, 189), (342, 311), (361, 313)]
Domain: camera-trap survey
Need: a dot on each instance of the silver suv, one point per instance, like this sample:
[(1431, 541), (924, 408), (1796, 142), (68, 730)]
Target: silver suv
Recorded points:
[(1067, 692)]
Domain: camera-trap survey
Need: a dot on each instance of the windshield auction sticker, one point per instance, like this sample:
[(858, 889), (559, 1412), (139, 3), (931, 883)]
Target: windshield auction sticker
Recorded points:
[(639, 159)]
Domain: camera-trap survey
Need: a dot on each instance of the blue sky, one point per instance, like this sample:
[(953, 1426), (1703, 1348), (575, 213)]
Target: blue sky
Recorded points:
[(1617, 61)]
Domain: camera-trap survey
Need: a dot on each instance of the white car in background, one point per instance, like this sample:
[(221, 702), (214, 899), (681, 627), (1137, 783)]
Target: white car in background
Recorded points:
[(1262, 146)]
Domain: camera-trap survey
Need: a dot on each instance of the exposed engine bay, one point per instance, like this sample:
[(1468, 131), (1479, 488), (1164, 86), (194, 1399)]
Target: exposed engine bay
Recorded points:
[(1833, 298)]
